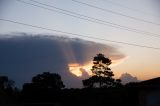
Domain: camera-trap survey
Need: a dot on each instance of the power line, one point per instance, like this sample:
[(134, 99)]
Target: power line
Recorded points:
[(132, 9), (117, 13), (79, 35), (94, 19), (90, 19)]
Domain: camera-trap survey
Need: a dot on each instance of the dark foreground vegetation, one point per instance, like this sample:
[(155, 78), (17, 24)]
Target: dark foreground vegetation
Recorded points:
[(47, 89), (72, 97), (43, 92), (129, 95)]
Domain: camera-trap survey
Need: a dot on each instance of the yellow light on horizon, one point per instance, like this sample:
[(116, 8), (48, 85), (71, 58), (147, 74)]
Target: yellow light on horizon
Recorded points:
[(76, 69)]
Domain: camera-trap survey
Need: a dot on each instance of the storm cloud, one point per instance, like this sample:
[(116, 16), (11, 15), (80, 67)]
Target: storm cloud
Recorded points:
[(24, 55)]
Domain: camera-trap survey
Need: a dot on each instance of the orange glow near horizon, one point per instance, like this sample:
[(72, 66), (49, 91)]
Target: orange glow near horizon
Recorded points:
[(76, 68)]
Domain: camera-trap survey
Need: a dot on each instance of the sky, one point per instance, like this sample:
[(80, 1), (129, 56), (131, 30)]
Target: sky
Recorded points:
[(138, 23)]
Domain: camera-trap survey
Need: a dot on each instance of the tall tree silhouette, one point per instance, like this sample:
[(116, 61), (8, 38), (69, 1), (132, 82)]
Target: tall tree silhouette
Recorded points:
[(102, 74), (48, 80)]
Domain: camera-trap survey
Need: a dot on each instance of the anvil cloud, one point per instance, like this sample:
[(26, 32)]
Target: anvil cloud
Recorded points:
[(24, 55)]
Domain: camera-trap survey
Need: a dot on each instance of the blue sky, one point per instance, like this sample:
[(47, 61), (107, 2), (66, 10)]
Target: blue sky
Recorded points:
[(141, 62)]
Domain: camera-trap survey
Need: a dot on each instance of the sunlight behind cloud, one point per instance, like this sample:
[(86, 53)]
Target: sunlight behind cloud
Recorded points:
[(78, 69), (75, 69)]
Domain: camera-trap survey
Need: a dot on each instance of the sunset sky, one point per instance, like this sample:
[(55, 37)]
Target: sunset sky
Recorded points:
[(133, 22)]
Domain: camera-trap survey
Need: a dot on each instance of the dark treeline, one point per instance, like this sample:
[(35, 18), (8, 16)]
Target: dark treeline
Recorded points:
[(47, 88), (101, 89), (41, 92)]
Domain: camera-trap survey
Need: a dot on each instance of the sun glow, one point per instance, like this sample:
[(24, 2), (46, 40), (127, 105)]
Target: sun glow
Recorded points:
[(78, 69), (75, 69)]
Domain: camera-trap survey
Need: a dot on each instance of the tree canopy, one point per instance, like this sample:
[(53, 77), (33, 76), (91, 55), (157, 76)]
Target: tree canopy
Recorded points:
[(48, 80), (102, 74), (45, 81)]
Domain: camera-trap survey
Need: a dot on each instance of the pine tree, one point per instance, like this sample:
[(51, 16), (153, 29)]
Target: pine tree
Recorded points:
[(102, 74)]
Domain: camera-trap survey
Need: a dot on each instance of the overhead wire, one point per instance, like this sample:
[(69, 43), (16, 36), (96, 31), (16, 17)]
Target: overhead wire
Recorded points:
[(132, 9), (90, 19), (116, 13), (79, 35)]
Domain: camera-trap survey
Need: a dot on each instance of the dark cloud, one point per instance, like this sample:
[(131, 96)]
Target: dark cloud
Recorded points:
[(126, 78), (24, 55)]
